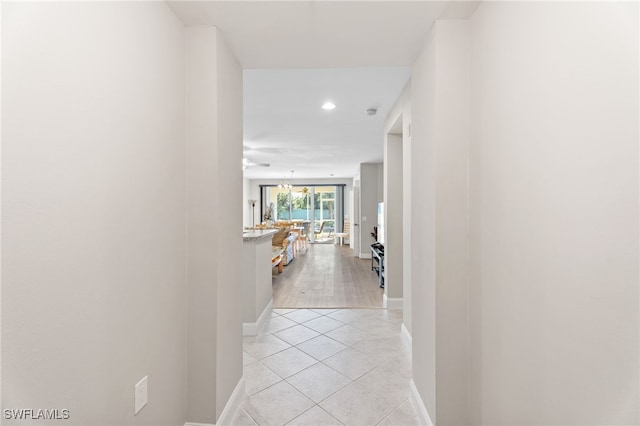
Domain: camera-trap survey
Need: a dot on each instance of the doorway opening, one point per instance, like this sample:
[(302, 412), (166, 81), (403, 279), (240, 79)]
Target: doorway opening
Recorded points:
[(328, 125)]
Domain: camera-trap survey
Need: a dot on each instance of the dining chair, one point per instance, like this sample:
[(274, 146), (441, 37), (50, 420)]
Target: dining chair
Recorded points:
[(318, 232)]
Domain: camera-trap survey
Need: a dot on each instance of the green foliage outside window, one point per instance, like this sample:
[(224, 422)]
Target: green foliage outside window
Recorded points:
[(297, 204)]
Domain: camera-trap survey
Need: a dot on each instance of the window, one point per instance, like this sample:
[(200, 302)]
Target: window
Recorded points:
[(290, 205)]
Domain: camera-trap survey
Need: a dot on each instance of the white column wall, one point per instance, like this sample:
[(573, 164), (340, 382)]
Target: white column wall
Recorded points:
[(369, 191), (401, 110), (439, 245), (407, 220), (452, 222), (202, 185), (229, 238), (423, 253), (214, 153), (393, 229)]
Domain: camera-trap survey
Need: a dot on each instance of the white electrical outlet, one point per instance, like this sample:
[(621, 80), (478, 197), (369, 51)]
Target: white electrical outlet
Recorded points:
[(140, 395)]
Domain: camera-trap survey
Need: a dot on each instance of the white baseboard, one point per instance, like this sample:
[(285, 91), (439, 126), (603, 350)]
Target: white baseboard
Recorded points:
[(392, 302), (365, 255), (405, 333), (230, 409), (421, 410), (253, 328), (235, 400)]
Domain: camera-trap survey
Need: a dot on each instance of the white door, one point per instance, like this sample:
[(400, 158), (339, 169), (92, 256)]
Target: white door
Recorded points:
[(354, 238)]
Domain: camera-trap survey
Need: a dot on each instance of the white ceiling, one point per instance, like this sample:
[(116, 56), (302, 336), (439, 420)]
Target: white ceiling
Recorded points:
[(297, 54), (284, 124), (322, 34)]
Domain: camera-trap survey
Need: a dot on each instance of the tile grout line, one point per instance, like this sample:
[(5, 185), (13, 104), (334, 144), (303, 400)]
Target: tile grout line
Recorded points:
[(311, 408), (392, 412)]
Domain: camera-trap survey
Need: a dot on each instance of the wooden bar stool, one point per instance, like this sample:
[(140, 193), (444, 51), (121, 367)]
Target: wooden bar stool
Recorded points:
[(301, 240), (344, 234)]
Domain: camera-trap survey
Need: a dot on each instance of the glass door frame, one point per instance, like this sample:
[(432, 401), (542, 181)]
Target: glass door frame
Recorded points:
[(338, 203)]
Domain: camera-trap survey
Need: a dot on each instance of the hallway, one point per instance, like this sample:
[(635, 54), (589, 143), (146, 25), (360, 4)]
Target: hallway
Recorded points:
[(506, 157), (328, 367)]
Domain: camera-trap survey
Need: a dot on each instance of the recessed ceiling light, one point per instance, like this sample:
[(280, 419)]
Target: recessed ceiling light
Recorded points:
[(328, 106)]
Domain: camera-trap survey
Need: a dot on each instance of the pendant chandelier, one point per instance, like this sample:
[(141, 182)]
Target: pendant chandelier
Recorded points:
[(285, 184)]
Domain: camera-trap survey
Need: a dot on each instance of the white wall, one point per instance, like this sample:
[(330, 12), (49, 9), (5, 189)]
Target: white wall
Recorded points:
[(214, 140), (393, 224), (423, 210), (229, 238), (439, 153), (202, 247), (552, 219), (452, 222), (407, 228), (554, 172), (402, 111), (1, 316), (93, 166), (380, 176), (370, 196)]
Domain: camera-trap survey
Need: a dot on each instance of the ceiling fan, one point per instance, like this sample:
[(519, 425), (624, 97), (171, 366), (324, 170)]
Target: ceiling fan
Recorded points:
[(246, 163)]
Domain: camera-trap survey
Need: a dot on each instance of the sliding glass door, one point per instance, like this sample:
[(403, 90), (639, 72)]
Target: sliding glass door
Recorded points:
[(314, 204), (324, 218)]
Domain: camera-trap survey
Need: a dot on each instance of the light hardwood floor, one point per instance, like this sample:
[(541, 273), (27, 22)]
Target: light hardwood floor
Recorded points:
[(327, 276)]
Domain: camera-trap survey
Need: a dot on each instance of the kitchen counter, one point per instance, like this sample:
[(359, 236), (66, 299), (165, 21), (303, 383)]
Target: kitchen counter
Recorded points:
[(254, 234), (257, 255)]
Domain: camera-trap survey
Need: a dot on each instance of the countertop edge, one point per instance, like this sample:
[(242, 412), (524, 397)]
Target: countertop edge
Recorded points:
[(257, 234)]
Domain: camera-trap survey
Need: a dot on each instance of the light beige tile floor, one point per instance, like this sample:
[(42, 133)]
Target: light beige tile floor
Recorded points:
[(328, 367)]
